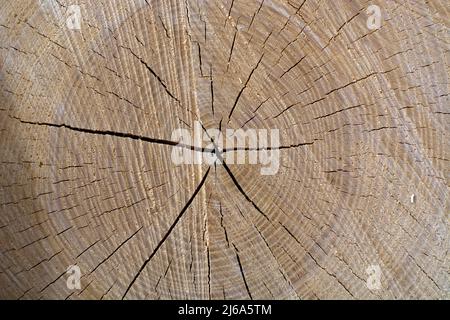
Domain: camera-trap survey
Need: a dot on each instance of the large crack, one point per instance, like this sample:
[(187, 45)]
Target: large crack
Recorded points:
[(242, 272), (159, 141), (197, 190), (243, 88), (241, 190), (116, 134)]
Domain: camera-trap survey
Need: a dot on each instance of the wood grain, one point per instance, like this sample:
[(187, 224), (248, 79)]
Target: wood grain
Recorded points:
[(86, 176)]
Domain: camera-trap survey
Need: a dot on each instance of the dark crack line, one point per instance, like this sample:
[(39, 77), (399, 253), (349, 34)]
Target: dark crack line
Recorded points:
[(116, 134), (243, 88), (209, 274), (211, 87), (147, 66), (293, 66), (115, 250), (197, 190), (338, 111), (231, 49), (225, 150), (242, 272), (133, 136), (229, 12), (255, 14)]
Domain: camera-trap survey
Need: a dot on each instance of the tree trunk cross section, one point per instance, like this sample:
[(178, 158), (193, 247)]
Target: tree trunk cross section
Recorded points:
[(92, 205)]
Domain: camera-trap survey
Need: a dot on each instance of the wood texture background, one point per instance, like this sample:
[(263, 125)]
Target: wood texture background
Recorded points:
[(364, 122)]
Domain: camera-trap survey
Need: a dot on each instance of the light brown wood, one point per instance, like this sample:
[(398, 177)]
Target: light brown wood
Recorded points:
[(364, 122)]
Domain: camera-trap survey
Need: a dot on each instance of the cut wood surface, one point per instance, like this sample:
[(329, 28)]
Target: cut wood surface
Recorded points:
[(87, 179)]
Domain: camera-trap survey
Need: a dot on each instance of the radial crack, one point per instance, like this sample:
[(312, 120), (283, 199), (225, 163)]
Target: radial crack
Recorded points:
[(242, 272), (116, 134), (147, 66), (197, 190), (243, 88)]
